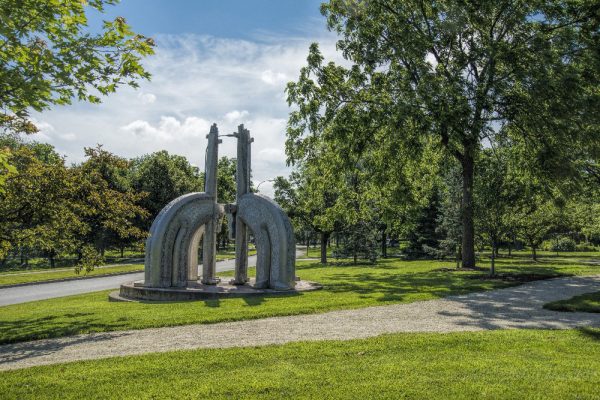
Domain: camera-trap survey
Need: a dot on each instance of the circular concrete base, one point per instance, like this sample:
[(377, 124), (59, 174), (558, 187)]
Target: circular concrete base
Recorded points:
[(135, 291)]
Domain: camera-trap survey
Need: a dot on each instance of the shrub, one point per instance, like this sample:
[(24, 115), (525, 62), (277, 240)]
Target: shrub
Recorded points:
[(564, 244), (585, 247)]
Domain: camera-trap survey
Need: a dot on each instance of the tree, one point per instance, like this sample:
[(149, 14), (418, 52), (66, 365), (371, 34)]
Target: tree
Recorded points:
[(309, 204), (424, 238), (163, 177), (449, 222), (226, 189), (105, 202), (453, 71), (47, 57), (497, 192), (35, 207)]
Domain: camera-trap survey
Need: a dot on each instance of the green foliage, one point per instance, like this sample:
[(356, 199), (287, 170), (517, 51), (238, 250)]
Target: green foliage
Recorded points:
[(107, 205), (448, 74), (424, 238), (48, 57), (90, 259), (6, 170), (163, 177), (564, 244), (35, 207)]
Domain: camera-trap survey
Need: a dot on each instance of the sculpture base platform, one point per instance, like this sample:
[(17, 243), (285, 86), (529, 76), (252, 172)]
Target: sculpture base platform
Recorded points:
[(135, 291)]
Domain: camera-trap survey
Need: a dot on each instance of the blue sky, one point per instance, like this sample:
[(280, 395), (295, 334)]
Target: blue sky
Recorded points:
[(223, 18), (222, 61)]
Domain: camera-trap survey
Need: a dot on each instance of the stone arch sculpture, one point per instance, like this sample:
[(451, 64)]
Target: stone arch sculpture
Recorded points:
[(171, 263), (274, 238), (171, 259)]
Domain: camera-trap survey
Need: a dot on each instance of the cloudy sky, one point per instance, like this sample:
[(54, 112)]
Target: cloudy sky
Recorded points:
[(223, 61)]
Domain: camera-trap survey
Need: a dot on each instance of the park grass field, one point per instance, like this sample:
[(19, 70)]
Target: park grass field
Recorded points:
[(346, 286), (508, 364)]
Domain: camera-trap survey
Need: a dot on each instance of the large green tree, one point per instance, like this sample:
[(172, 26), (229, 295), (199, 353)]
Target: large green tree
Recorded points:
[(49, 56), (455, 72), (105, 201), (164, 177), (36, 208)]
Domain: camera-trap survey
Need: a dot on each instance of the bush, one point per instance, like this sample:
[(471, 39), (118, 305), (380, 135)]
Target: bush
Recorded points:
[(585, 247), (564, 244)]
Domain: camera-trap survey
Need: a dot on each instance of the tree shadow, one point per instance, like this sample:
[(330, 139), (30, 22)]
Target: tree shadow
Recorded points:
[(590, 332), (521, 307), (53, 326)]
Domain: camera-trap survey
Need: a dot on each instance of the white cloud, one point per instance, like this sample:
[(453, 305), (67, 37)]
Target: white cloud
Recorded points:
[(273, 78), (235, 115), (146, 98), (168, 128), (196, 80), (69, 137)]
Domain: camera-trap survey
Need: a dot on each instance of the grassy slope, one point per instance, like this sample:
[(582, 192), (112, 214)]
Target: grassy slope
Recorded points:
[(347, 286), (16, 278), (589, 302), (499, 364)]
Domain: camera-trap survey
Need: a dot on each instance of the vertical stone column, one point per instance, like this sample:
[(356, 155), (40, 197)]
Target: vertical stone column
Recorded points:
[(209, 249), (242, 187)]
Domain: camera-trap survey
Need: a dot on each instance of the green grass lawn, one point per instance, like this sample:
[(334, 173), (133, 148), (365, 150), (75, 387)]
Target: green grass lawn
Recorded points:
[(589, 302), (44, 276), (509, 364), (345, 286)]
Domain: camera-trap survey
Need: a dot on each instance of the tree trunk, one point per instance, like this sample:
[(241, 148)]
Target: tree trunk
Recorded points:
[(493, 267), (122, 251), (533, 253), (51, 256), (468, 236), (324, 240), (307, 245), (384, 242), (458, 257)]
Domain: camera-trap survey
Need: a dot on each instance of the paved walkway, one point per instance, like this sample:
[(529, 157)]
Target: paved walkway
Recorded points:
[(513, 308)]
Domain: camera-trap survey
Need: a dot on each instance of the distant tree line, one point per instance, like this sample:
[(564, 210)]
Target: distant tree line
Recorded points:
[(51, 209)]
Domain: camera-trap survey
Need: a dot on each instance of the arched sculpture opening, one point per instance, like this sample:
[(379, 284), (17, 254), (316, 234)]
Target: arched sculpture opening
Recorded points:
[(171, 262)]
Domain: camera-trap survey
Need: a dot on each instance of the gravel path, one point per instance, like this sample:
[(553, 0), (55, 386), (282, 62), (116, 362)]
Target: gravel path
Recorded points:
[(513, 308)]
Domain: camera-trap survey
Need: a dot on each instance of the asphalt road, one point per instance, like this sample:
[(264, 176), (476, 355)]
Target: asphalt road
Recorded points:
[(41, 291)]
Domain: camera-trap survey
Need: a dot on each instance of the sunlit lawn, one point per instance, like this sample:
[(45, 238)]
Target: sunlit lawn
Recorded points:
[(508, 364)]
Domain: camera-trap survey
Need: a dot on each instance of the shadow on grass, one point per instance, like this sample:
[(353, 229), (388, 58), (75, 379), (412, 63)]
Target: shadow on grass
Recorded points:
[(14, 352), (395, 287), (53, 326), (590, 332)]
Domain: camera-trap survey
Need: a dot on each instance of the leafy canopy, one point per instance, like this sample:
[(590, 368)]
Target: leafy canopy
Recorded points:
[(48, 56)]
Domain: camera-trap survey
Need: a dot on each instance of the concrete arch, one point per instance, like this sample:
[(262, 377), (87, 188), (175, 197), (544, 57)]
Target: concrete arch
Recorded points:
[(275, 242), (174, 237)]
